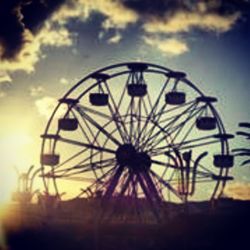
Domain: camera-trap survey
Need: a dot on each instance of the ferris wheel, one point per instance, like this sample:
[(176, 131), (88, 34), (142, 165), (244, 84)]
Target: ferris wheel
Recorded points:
[(136, 131)]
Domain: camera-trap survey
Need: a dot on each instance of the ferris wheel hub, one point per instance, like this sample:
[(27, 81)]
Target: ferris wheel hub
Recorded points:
[(128, 156)]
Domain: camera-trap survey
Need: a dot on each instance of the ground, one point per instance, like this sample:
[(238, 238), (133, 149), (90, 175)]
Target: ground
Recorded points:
[(223, 227)]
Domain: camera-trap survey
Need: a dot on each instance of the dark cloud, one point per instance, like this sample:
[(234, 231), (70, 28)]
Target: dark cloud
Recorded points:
[(11, 29), (230, 6), (18, 15), (36, 12)]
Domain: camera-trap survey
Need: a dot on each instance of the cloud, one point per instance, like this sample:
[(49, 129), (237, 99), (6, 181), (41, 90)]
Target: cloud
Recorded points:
[(36, 91), (5, 77), (31, 51), (16, 17), (71, 10), (28, 26), (183, 21), (167, 9), (11, 29), (238, 190), (46, 106), (116, 14), (64, 81), (169, 46), (33, 25), (115, 39), (30, 29), (54, 36), (2, 94)]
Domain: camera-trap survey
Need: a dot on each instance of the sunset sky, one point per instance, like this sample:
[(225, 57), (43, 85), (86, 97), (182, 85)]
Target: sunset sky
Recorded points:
[(47, 45)]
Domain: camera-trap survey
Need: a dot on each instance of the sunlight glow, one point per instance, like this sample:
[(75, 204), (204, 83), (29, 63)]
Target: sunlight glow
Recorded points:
[(14, 149)]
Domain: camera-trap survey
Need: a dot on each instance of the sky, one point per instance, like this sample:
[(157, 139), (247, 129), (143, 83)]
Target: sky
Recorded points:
[(46, 46)]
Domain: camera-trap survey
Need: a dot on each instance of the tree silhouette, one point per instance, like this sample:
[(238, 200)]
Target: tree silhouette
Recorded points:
[(245, 152)]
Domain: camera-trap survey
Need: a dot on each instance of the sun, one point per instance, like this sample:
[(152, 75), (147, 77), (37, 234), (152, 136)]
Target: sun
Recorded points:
[(15, 153)]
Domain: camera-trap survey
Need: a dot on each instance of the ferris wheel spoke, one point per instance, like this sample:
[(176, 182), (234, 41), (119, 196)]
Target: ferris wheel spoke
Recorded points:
[(122, 96), (82, 129), (119, 125), (78, 178), (129, 115), (166, 126), (198, 180), (157, 162), (132, 115), (204, 181), (162, 130), (147, 134), (171, 178), (125, 185), (134, 195), (143, 129), (204, 168), (155, 122), (68, 174), (188, 112), (188, 131), (89, 130), (153, 107), (167, 169), (100, 180), (149, 102), (139, 122), (148, 196), (166, 184), (116, 117), (132, 119), (89, 169), (204, 173), (158, 186), (138, 119), (172, 147), (199, 145), (99, 127), (173, 110), (86, 145), (72, 157), (174, 116), (178, 127), (93, 111), (96, 164), (156, 118), (203, 141), (179, 145), (169, 129), (73, 178), (89, 158), (113, 183), (151, 186)]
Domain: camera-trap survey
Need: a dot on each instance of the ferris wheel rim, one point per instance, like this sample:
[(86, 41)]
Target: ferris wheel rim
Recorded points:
[(189, 83)]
